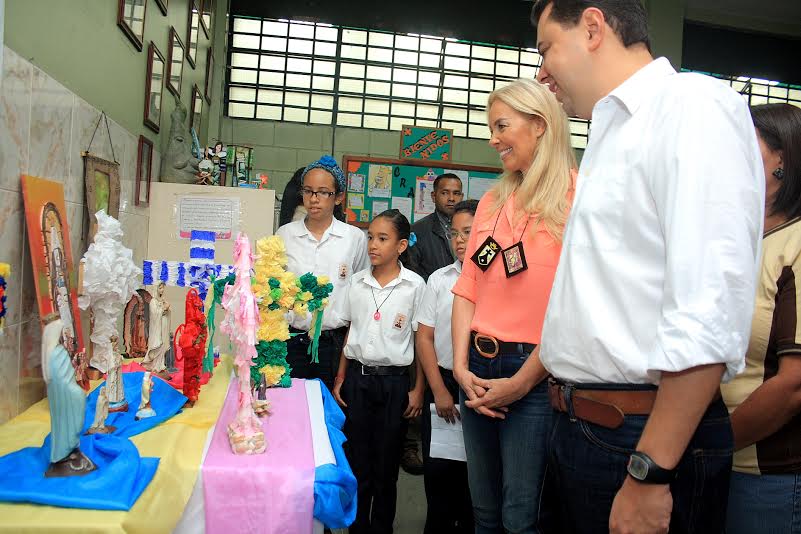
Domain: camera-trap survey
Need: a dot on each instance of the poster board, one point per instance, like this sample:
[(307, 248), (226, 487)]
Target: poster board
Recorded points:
[(376, 184), (249, 210)]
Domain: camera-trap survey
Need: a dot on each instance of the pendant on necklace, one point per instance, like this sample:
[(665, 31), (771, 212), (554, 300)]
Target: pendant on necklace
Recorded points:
[(377, 315)]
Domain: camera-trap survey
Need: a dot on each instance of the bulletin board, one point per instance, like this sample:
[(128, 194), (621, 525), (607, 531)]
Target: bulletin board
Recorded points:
[(377, 184)]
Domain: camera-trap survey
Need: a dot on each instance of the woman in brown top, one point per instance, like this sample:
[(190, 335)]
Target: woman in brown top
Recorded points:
[(765, 400)]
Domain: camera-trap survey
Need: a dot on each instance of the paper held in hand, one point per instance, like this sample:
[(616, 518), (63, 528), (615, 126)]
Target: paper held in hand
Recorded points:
[(447, 440)]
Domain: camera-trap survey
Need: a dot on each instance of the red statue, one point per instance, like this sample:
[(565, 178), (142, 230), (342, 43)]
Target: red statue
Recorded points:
[(193, 345)]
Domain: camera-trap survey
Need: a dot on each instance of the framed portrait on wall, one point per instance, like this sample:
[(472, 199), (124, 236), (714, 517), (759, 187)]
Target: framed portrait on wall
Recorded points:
[(102, 180), (192, 35), (144, 166), (175, 63), (208, 86), (196, 114), (131, 20), (154, 87), (206, 9)]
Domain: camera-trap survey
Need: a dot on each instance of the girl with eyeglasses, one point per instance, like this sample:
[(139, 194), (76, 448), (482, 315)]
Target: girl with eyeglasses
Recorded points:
[(323, 245)]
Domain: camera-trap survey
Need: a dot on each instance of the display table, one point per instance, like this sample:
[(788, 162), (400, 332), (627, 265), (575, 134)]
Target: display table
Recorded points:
[(174, 500)]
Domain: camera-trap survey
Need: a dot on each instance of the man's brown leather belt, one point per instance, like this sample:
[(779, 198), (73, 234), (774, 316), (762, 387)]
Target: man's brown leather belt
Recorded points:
[(606, 408), (602, 407)]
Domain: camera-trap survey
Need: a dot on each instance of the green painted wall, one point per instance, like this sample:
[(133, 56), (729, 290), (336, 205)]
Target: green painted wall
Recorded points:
[(78, 43), (666, 21), (280, 148)]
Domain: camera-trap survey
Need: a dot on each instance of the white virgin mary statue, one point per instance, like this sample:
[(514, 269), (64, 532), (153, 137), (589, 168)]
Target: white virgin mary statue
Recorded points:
[(158, 337)]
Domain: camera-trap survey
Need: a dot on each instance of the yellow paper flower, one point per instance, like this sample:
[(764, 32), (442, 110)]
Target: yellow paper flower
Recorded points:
[(322, 280), (301, 309), (272, 374), (305, 296)]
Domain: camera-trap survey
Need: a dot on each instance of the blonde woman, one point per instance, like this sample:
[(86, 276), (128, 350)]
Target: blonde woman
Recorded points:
[(499, 306)]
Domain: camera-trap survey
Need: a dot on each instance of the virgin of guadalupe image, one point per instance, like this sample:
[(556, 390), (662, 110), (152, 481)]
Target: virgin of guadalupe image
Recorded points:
[(57, 273)]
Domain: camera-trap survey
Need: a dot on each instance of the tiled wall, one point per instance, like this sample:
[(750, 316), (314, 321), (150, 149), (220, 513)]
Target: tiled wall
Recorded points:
[(44, 127)]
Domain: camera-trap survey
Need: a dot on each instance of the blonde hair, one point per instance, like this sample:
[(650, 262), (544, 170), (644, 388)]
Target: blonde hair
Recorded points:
[(542, 189)]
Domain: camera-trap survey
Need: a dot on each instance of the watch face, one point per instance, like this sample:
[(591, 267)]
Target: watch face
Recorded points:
[(637, 467)]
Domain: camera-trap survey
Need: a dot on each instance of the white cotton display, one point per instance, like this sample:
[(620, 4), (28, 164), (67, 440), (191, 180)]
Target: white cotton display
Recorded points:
[(110, 278)]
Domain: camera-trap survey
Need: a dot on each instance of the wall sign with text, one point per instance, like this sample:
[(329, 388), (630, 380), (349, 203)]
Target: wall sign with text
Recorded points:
[(422, 142)]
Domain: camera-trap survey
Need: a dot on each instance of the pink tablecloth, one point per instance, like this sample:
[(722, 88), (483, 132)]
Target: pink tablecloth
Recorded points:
[(266, 493)]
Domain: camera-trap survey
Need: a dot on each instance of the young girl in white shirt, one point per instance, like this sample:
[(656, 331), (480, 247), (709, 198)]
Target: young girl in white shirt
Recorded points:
[(373, 379), (323, 245)]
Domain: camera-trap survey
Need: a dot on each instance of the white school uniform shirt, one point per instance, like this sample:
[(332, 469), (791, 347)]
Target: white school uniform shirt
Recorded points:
[(435, 310), (390, 340), (341, 252), (659, 264)]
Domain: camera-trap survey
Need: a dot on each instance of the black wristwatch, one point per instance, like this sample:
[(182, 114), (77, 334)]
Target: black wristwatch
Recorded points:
[(642, 468)]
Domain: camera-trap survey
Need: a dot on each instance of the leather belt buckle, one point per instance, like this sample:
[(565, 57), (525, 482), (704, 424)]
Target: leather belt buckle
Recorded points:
[(478, 338)]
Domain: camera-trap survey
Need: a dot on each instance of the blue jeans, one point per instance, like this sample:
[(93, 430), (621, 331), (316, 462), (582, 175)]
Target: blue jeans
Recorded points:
[(587, 466), (770, 504), (506, 457)]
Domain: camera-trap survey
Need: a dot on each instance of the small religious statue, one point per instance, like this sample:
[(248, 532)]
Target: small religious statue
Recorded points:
[(135, 324), (67, 407), (193, 345), (205, 174), (178, 165), (101, 412), (114, 382), (158, 338), (145, 410)]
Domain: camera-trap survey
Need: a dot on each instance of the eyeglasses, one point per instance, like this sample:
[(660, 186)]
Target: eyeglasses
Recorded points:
[(464, 235), (321, 194)]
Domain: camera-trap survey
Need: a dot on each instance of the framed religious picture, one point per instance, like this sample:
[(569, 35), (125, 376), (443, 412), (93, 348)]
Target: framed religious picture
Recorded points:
[(102, 179), (144, 166), (208, 86), (175, 63), (162, 6), (206, 9), (197, 110), (192, 35), (55, 276), (131, 20), (154, 87)]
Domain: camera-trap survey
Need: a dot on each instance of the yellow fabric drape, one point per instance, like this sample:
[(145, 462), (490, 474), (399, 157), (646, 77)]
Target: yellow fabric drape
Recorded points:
[(178, 441)]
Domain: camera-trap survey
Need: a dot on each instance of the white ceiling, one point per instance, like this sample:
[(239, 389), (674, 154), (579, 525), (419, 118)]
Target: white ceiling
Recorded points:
[(772, 16)]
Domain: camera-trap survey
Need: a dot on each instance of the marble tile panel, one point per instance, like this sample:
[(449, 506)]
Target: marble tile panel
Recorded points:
[(77, 221), (31, 382), (51, 123), (9, 372), (29, 308), (84, 120), (12, 220), (15, 118)]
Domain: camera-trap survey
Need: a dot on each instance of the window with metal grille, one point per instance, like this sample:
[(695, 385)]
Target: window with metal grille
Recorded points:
[(758, 91), (318, 73)]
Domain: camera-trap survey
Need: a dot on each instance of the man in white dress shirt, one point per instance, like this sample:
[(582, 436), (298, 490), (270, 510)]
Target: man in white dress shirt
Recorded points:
[(651, 304)]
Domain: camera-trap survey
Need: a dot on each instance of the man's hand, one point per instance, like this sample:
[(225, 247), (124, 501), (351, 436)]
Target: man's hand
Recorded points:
[(415, 406), (641, 508), (446, 409), (338, 381)]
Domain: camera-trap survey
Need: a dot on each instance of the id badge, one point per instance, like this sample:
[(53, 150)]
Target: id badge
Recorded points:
[(514, 260), (486, 253)]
